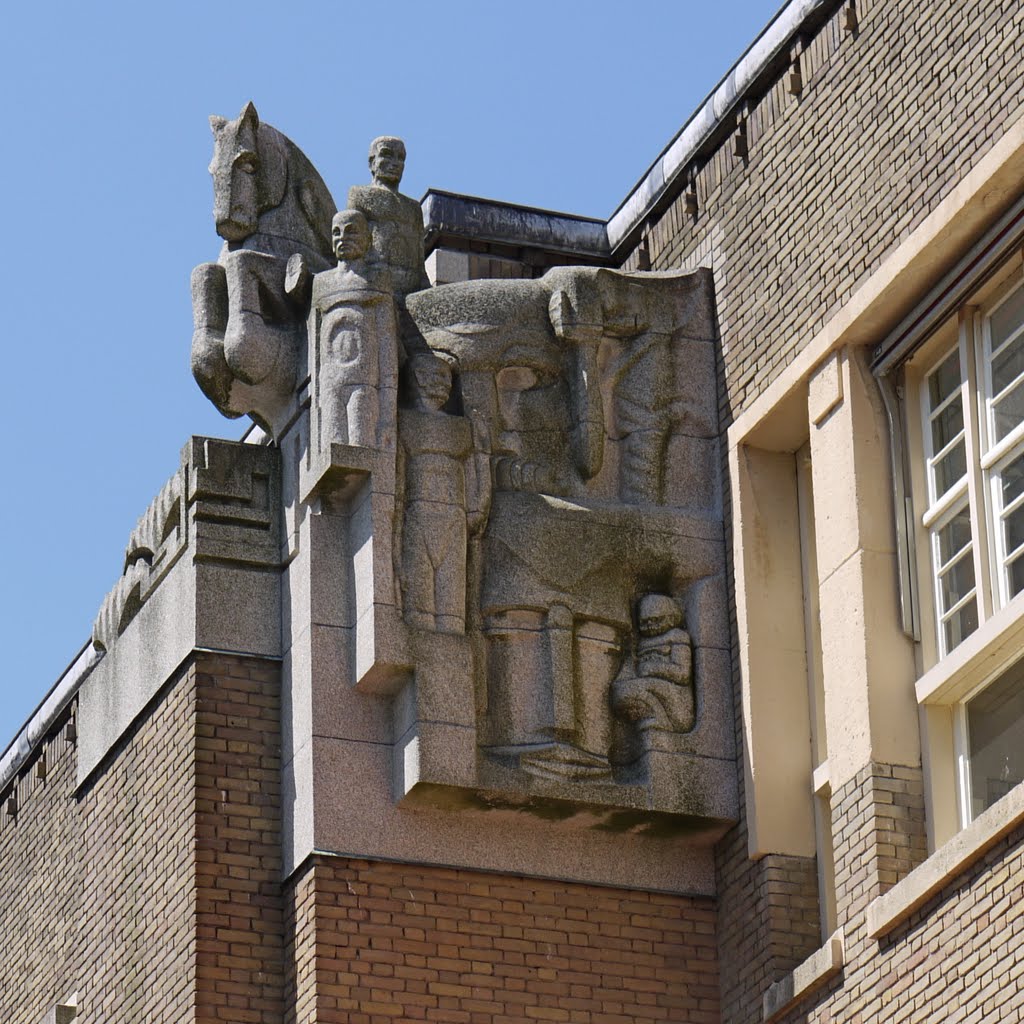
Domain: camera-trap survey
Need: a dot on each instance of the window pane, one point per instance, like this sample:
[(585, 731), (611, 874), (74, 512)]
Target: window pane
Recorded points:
[(943, 381), (946, 425), (1013, 530), (960, 625), (957, 582), (954, 536), (1007, 318), (949, 469), (1015, 576), (1008, 365), (995, 727), (1011, 480), (1008, 411)]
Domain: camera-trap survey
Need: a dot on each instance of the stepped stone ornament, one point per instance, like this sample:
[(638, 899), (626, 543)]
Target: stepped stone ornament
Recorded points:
[(501, 497)]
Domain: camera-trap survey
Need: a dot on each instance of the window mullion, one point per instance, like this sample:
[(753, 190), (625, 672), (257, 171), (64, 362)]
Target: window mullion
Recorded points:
[(961, 745), (974, 430)]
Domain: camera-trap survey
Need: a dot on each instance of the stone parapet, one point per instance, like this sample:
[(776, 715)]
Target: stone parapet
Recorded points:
[(201, 571)]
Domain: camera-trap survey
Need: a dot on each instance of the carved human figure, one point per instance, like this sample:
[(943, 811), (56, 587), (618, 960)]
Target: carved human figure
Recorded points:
[(350, 238), (445, 490), (350, 320), (660, 694), (396, 221)]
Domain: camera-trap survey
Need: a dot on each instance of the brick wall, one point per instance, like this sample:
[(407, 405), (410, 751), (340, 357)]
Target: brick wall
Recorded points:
[(40, 886), (956, 959), (878, 831), (768, 922), (382, 942), (154, 892), (889, 120), (239, 922)]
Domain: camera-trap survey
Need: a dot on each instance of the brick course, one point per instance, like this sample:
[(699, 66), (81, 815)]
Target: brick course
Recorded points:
[(154, 891), (382, 942)]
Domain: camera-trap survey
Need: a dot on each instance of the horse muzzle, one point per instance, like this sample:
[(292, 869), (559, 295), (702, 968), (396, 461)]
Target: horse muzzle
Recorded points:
[(235, 229)]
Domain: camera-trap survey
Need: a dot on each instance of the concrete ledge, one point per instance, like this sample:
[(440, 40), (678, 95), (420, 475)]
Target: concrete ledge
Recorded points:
[(818, 968), (946, 863)]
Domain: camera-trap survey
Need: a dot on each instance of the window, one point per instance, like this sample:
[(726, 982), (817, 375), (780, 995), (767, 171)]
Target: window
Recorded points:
[(992, 759), (968, 486), (972, 399)]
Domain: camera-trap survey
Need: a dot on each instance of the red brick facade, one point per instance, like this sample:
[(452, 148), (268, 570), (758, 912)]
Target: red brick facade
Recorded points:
[(154, 892), (399, 942)]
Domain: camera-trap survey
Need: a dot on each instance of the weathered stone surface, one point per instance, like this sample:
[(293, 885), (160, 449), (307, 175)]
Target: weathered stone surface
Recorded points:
[(269, 202), (501, 513), (396, 221), (201, 571)]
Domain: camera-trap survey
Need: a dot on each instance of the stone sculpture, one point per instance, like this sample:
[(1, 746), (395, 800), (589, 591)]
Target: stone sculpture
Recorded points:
[(395, 220), (658, 694), (444, 468), (352, 332), (522, 529), (269, 203)]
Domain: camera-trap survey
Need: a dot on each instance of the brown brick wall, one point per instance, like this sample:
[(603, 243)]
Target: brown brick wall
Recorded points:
[(889, 120), (397, 942), (768, 922), (135, 949), (956, 959), (40, 886), (239, 906), (155, 891), (878, 833)]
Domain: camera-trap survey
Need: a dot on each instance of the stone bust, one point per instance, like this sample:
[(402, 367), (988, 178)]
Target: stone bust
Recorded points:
[(396, 221)]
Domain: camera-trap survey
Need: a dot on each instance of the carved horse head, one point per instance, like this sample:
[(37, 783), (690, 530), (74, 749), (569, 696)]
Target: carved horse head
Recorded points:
[(263, 183)]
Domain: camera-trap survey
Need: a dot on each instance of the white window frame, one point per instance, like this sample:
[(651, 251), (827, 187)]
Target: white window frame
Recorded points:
[(952, 677)]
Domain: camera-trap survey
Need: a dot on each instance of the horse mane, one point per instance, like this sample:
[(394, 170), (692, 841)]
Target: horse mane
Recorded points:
[(302, 198)]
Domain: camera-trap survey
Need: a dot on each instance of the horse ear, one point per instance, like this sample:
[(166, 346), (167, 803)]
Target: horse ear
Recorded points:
[(217, 123), (249, 116)]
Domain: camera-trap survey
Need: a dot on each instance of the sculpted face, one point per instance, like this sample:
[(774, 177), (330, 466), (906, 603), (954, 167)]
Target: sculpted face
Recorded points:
[(387, 161), (432, 380), (658, 614), (350, 235)]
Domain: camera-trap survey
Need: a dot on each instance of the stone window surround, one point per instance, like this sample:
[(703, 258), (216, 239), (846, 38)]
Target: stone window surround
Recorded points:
[(777, 422)]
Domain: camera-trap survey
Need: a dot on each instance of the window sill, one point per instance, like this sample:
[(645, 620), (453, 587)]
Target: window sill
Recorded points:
[(946, 863), (990, 649), (817, 969)]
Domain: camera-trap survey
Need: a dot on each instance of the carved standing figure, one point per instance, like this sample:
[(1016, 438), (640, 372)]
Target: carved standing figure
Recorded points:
[(660, 694), (269, 202), (352, 328), (395, 220), (446, 489)]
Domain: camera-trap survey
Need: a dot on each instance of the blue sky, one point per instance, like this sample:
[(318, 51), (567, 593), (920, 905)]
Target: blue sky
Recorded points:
[(558, 104)]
